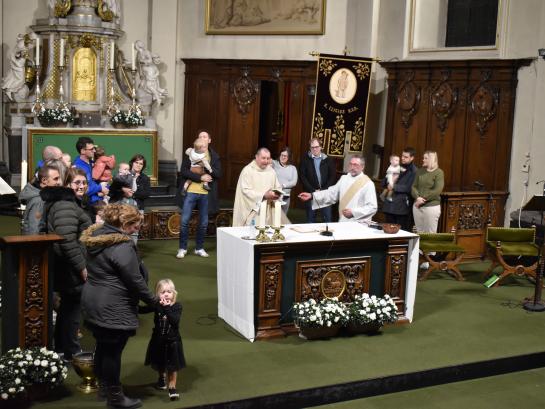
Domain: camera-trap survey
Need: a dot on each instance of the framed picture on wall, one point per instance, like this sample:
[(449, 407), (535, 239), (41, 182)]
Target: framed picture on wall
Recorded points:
[(268, 17)]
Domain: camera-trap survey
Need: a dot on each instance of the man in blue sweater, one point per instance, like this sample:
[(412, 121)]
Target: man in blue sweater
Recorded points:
[(86, 149)]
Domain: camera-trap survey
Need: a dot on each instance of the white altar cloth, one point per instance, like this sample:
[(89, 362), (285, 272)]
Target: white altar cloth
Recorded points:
[(235, 266)]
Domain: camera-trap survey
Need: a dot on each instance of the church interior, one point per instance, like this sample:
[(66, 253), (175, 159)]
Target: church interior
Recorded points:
[(458, 78)]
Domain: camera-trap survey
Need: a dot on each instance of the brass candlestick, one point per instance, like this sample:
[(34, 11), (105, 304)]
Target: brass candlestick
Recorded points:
[(277, 236), (112, 106), (37, 106), (261, 236)]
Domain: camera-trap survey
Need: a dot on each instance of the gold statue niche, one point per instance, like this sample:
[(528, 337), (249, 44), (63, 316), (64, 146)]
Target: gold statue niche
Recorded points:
[(84, 84)]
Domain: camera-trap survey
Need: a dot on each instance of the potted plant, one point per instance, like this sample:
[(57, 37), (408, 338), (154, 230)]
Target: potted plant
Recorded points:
[(47, 116), (35, 370), (134, 118), (369, 313), (64, 115), (319, 319), (118, 119)]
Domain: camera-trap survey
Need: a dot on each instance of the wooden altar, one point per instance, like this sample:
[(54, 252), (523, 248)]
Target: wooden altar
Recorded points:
[(258, 282)]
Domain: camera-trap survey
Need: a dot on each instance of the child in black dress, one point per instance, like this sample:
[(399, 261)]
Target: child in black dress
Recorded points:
[(165, 351)]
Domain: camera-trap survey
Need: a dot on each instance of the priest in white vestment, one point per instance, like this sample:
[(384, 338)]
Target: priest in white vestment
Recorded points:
[(256, 184), (354, 191)]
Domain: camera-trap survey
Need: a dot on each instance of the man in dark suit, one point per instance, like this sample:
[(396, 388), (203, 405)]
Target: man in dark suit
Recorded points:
[(317, 172), (399, 209)]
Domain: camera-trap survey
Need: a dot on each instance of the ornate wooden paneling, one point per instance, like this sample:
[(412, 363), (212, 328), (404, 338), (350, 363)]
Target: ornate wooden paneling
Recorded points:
[(396, 273), (162, 224), (470, 213), (271, 267), (26, 291), (223, 96), (463, 110), (343, 278)]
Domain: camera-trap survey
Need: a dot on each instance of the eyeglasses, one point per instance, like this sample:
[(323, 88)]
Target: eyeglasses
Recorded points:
[(80, 183)]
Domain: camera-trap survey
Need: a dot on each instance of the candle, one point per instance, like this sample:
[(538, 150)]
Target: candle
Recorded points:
[(262, 214), (277, 221), (112, 53), (133, 58), (24, 173), (61, 55), (37, 59)]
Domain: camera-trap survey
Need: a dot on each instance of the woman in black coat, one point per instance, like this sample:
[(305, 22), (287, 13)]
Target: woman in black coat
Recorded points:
[(64, 216), (137, 165), (117, 281)]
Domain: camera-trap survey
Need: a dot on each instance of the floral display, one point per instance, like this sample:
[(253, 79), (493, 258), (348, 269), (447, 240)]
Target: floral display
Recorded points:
[(131, 118), (370, 309), (55, 116), (118, 118), (20, 368), (326, 312)]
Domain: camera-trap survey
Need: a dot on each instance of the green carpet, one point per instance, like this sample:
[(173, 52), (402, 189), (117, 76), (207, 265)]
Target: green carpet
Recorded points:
[(455, 322)]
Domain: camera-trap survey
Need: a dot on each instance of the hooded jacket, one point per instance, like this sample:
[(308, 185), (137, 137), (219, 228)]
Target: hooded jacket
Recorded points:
[(32, 218), (63, 216), (116, 279)]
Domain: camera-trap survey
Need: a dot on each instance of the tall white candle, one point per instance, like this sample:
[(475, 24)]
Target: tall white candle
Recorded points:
[(61, 55), (277, 214), (262, 214), (24, 173), (133, 58), (112, 53), (37, 59)]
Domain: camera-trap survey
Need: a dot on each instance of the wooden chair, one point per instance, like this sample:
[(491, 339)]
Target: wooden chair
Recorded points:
[(511, 243), (442, 244)]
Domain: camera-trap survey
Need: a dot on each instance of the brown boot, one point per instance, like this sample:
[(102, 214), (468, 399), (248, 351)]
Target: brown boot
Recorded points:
[(117, 399)]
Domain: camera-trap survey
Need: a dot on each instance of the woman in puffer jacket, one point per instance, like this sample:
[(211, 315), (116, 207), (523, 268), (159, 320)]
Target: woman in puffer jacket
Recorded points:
[(65, 217), (117, 281)]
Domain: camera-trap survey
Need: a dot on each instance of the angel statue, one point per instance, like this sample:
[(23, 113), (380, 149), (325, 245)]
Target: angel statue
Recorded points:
[(13, 84), (148, 89)]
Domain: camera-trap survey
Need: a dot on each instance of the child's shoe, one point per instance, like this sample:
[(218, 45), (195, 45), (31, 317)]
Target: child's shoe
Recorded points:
[(173, 394), (161, 383)]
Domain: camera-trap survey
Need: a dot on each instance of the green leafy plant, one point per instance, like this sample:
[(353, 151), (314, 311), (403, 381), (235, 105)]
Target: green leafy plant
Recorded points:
[(326, 312), (367, 309), (55, 116)]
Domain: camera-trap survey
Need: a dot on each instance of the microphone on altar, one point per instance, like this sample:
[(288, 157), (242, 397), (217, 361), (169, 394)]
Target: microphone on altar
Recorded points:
[(325, 232)]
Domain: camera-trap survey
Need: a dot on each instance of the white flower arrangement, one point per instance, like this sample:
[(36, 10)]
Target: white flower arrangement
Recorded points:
[(54, 116), (118, 118), (134, 117), (367, 309), (20, 368), (326, 312)]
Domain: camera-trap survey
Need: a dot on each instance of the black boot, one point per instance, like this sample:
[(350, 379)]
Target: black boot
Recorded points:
[(102, 391), (116, 399)]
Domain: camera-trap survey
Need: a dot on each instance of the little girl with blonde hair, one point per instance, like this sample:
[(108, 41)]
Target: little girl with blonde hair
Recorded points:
[(165, 352)]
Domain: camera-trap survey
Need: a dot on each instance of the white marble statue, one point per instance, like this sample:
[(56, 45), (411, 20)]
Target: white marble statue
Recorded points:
[(148, 89), (13, 84)]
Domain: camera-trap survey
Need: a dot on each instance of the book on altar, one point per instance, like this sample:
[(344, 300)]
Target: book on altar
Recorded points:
[(303, 229)]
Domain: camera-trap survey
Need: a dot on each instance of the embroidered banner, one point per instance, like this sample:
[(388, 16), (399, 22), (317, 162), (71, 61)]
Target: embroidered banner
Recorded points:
[(340, 106)]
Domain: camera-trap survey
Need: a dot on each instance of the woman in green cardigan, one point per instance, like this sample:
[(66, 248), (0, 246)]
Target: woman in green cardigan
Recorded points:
[(426, 191)]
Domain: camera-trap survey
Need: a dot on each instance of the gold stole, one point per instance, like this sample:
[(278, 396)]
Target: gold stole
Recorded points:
[(349, 194)]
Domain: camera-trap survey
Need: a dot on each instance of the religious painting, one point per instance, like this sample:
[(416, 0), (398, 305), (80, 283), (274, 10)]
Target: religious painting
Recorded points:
[(265, 17), (340, 106)]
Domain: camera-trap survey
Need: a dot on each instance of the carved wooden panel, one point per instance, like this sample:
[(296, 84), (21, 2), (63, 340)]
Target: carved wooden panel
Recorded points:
[(470, 213), (396, 273), (35, 294), (343, 278), (271, 267)]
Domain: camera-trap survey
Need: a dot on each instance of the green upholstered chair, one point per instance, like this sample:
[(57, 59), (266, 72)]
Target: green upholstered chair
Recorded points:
[(505, 246), (435, 249)]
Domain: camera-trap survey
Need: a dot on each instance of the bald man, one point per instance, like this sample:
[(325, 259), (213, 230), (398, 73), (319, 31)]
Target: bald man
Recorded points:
[(255, 184)]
